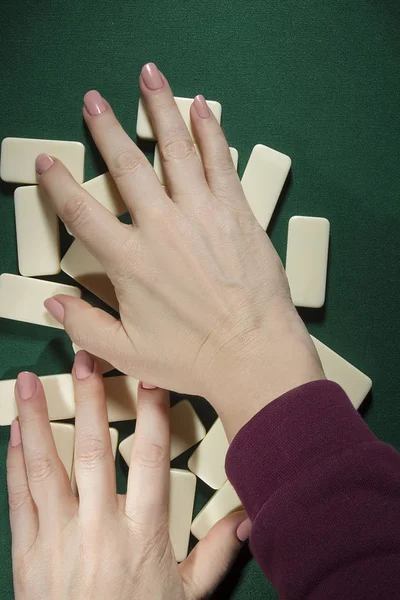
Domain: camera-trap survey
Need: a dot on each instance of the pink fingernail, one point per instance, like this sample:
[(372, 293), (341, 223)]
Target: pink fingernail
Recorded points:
[(201, 106), (55, 308), (148, 386), (94, 103), (26, 383), (152, 77), (84, 364), (43, 162), (15, 434), (244, 530)]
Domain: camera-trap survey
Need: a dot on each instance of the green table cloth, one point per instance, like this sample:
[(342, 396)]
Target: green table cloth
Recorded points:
[(317, 80)]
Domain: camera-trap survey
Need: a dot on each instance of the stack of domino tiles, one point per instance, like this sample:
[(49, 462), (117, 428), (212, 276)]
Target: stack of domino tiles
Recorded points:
[(39, 255)]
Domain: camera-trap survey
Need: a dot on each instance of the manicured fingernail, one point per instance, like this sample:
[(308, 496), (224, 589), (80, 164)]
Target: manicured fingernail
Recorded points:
[(15, 434), (201, 106), (84, 364), (152, 77), (56, 309), (94, 103), (26, 383), (43, 162), (148, 386), (243, 531)]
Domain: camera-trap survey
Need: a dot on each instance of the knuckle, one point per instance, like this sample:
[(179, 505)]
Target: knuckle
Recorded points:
[(76, 210), (177, 149), (126, 162), (151, 456), (90, 451), (39, 468), (18, 497)]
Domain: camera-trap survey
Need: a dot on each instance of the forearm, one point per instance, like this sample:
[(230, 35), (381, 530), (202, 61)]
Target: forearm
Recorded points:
[(323, 494)]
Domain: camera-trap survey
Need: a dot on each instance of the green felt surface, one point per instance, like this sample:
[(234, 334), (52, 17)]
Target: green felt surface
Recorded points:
[(316, 79)]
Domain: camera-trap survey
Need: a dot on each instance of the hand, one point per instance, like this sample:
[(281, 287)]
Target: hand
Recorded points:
[(204, 303), (103, 545)]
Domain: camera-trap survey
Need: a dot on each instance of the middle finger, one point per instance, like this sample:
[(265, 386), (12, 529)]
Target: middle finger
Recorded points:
[(182, 164)]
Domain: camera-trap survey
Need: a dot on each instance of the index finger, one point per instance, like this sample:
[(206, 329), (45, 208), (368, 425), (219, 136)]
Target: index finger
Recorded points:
[(87, 219)]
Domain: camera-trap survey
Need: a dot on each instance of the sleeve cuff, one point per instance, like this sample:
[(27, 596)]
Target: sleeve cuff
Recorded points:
[(291, 434)]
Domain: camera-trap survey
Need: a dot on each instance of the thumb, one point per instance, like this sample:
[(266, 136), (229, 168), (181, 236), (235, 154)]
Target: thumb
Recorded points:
[(208, 563), (92, 329)]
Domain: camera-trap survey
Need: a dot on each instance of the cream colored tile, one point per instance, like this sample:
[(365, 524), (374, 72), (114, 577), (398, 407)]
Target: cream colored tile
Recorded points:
[(354, 382), (121, 397), (307, 260), (22, 298), (18, 157), (263, 180), (208, 460), (64, 439), (59, 395), (104, 189), (221, 504), (181, 501), (82, 266), (36, 224)]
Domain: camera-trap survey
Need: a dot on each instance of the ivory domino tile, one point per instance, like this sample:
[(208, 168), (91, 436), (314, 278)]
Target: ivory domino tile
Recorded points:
[(160, 172), (208, 460), (37, 232), (104, 366), (64, 439), (22, 298), (307, 260), (144, 128), (181, 501), (114, 440), (18, 157), (354, 382), (221, 504), (263, 180), (104, 189), (59, 395), (186, 431), (121, 397), (82, 266)]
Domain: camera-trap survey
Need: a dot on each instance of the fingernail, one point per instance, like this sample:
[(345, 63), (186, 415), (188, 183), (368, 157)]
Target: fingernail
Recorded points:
[(201, 106), (243, 531), (148, 386), (26, 383), (84, 364), (55, 308), (43, 162), (94, 103), (152, 77), (15, 434)]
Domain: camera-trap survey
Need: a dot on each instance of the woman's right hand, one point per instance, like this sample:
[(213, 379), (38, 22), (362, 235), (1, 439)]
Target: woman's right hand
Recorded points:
[(204, 302)]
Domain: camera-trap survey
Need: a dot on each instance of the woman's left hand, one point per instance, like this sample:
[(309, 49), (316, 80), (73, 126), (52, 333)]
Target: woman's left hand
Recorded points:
[(101, 545)]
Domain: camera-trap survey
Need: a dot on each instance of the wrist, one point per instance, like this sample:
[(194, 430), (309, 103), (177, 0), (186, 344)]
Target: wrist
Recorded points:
[(256, 372)]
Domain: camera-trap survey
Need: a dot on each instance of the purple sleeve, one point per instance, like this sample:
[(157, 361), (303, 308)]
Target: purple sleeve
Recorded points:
[(323, 494)]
